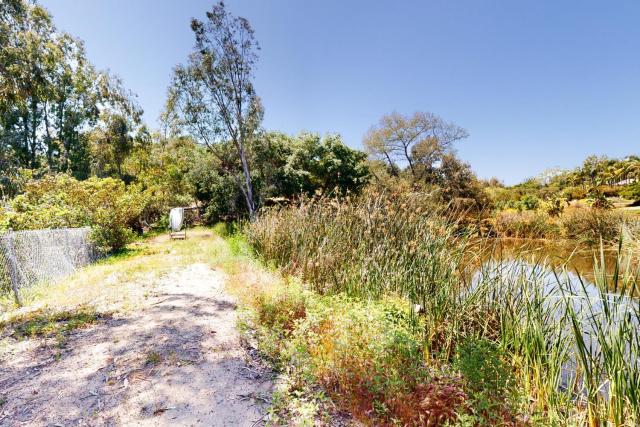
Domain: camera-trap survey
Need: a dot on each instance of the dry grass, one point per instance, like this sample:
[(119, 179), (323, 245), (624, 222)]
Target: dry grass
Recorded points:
[(121, 282)]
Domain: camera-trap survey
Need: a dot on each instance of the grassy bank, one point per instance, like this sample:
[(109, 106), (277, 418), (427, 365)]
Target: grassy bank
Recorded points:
[(504, 349), (515, 345)]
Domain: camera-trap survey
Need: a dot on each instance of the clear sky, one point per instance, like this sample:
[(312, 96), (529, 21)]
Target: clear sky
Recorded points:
[(537, 83)]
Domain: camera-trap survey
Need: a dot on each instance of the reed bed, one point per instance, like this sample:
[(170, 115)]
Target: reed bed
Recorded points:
[(573, 347)]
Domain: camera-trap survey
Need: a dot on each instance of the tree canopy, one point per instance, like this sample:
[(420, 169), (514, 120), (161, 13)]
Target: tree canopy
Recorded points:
[(418, 141), (418, 149), (51, 96)]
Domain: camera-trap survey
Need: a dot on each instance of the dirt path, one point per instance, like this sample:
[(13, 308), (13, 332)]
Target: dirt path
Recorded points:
[(177, 361)]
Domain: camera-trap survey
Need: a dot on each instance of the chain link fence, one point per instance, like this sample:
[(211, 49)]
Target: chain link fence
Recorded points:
[(32, 256)]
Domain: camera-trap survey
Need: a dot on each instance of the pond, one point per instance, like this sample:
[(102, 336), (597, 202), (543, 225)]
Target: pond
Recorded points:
[(579, 262), (572, 302)]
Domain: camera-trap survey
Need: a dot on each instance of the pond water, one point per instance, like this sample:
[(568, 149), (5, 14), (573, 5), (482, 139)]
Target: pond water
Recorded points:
[(579, 262), (559, 282)]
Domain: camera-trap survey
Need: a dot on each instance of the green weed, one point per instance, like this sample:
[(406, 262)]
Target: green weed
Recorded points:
[(43, 324), (153, 358)]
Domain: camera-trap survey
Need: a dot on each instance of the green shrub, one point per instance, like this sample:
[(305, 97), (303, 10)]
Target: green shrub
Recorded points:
[(112, 209), (554, 206), (487, 378), (280, 311), (631, 192), (115, 212), (55, 201), (598, 200), (574, 193), (530, 202), (367, 355), (527, 202)]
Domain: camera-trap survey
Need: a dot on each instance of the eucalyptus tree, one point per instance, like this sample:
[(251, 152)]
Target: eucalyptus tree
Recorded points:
[(27, 58), (51, 96), (212, 96)]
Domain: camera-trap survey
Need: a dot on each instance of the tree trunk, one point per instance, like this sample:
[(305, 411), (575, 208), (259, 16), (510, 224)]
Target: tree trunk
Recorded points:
[(406, 154), (34, 140), (248, 193)]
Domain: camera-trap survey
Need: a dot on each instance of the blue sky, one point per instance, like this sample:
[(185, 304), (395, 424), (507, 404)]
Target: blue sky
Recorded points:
[(536, 83)]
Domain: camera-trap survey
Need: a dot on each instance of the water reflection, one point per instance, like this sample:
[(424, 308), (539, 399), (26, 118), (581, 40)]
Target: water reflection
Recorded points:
[(578, 261), (576, 308)]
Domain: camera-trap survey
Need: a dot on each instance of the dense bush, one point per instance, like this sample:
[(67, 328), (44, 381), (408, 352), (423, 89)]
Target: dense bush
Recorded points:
[(307, 164), (112, 209), (529, 202), (115, 212), (632, 192), (554, 206), (283, 168), (488, 379), (528, 224), (591, 226), (597, 199)]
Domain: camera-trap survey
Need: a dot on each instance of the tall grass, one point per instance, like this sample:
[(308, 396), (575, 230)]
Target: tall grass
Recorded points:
[(573, 347)]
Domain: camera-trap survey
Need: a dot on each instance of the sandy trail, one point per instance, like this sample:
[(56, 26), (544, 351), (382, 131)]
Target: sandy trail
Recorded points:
[(177, 361)]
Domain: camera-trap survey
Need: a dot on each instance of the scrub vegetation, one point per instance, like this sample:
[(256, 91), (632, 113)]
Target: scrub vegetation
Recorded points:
[(389, 295), (362, 276)]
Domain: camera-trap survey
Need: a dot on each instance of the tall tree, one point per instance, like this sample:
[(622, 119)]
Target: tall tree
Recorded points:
[(50, 94), (212, 97)]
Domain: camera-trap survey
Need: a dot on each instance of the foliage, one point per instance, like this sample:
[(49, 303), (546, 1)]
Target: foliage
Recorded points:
[(111, 143), (259, 165), (530, 202), (285, 168), (307, 165), (526, 202), (632, 192), (367, 355), (111, 208), (50, 95), (512, 332), (116, 212), (598, 200), (574, 193), (418, 150), (597, 180), (163, 169), (554, 207), (419, 140), (487, 378)]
